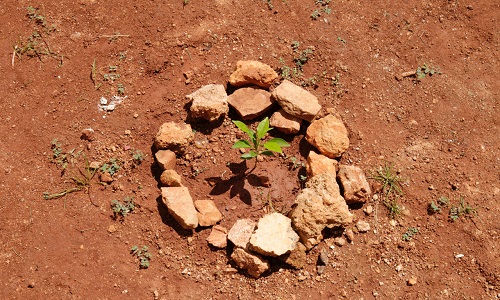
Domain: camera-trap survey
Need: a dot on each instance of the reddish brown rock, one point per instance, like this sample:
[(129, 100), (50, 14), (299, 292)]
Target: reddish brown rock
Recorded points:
[(180, 206), (329, 136), (296, 101), (241, 232), (285, 122), (254, 264), (165, 159), (250, 102), (354, 184), (174, 136), (218, 237), (170, 178), (317, 164), (252, 72), (209, 102), (208, 213)]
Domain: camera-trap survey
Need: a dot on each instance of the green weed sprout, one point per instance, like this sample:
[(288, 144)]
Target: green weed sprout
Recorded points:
[(256, 144)]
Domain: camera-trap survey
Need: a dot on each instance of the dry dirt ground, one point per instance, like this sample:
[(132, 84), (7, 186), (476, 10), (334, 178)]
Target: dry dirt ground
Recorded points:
[(441, 132)]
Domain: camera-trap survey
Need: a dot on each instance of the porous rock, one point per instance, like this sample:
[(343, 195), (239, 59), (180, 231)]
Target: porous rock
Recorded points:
[(329, 136), (354, 184), (251, 72), (208, 213), (285, 122), (209, 102), (318, 163), (180, 206), (317, 206), (362, 226), (297, 258), (170, 178), (165, 159), (241, 232), (250, 102), (274, 236), (296, 101), (174, 136), (253, 263), (218, 237)]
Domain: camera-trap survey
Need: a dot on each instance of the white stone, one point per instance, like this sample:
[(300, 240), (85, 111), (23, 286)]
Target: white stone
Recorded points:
[(274, 236), (296, 101), (209, 102)]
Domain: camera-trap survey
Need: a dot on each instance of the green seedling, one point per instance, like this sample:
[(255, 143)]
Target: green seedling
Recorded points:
[(463, 208), (391, 188), (256, 144), (295, 163), (143, 255), (122, 209), (341, 40), (120, 89), (33, 15), (426, 69), (137, 156), (111, 167), (315, 14), (408, 235), (436, 207)]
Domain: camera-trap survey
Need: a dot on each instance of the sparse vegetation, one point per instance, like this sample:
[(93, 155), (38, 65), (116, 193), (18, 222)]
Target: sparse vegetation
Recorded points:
[(122, 209), (295, 163), (143, 255), (426, 69), (436, 207), (299, 59), (408, 235), (463, 208), (391, 188), (111, 167), (256, 145)]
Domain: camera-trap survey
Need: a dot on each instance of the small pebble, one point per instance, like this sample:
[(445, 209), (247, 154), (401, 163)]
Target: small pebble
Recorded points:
[(412, 281)]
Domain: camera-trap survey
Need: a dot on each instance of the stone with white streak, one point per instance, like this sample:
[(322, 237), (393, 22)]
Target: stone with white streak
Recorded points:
[(317, 206), (285, 122), (241, 232), (353, 181), (296, 101), (253, 263), (180, 205), (250, 102), (252, 72), (274, 236), (208, 213), (329, 136), (209, 102)]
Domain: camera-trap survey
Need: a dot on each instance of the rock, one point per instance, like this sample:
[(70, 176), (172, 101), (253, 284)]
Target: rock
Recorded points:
[(106, 178), (329, 135), (339, 241), (180, 206), (354, 184), (250, 103), (323, 257), (94, 165), (87, 134), (252, 72), (349, 234), (253, 263), (209, 102), (218, 237), (363, 226), (285, 122), (165, 159), (320, 269), (317, 164), (317, 206), (241, 232), (296, 101), (297, 258), (274, 236), (170, 178), (368, 210), (174, 136), (208, 213), (412, 281), (112, 228)]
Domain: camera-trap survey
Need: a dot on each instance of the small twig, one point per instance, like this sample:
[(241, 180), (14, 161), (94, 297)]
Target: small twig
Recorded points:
[(14, 56), (16, 252)]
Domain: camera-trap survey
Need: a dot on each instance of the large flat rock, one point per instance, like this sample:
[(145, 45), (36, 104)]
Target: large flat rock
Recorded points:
[(180, 205), (274, 236), (296, 101)]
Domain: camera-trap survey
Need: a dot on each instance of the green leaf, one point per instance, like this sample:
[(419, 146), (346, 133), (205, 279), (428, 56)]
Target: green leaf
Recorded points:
[(241, 144), (243, 127), (267, 152), (249, 155), (263, 128), (272, 146), (280, 142)]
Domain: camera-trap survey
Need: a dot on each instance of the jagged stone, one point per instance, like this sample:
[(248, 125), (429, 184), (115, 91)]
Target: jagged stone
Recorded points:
[(180, 206), (251, 72), (218, 237), (285, 122), (329, 136), (354, 185), (297, 258), (254, 264), (209, 102), (174, 136), (274, 236), (208, 213), (241, 232), (165, 159), (317, 164), (296, 101), (317, 206), (250, 103), (170, 178)]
